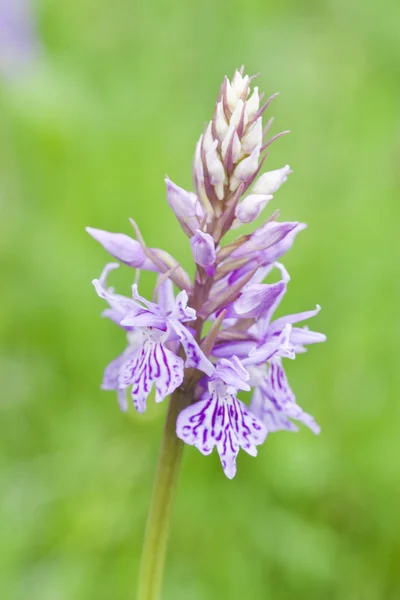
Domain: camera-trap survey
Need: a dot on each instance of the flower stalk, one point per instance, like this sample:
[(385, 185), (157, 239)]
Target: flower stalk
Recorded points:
[(159, 517)]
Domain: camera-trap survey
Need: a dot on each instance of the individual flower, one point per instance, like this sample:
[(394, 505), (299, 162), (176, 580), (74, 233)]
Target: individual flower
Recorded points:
[(220, 419), (148, 361), (262, 348)]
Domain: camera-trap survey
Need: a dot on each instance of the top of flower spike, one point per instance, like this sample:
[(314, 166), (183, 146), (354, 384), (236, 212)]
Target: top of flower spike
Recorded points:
[(229, 153)]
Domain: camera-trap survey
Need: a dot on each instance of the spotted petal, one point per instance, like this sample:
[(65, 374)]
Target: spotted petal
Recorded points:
[(274, 402), (224, 422), (182, 311), (151, 363)]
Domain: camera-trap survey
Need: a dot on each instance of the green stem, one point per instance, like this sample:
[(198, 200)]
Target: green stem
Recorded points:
[(155, 542)]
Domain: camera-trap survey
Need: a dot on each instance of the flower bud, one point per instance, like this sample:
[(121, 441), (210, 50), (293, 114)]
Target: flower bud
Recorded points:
[(253, 104), (203, 248), (123, 248), (253, 137), (185, 205), (236, 146), (221, 125), (237, 115), (245, 169), (215, 170), (270, 182), (240, 85), (250, 208), (230, 95)]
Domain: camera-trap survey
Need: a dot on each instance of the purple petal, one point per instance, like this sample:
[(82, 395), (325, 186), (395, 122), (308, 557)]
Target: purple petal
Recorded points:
[(269, 235), (224, 422), (112, 371), (302, 335), (122, 401), (258, 300), (123, 248), (270, 413), (182, 311), (280, 346), (154, 308), (168, 371), (165, 296), (144, 318), (194, 356), (233, 373), (275, 402), (135, 373), (239, 348), (151, 363), (119, 303), (295, 318)]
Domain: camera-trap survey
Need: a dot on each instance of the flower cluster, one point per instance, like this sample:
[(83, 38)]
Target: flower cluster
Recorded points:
[(244, 346)]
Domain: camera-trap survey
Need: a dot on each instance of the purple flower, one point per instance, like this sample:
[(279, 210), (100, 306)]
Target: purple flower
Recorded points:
[(217, 336), (274, 402), (221, 420), (148, 361), (261, 351)]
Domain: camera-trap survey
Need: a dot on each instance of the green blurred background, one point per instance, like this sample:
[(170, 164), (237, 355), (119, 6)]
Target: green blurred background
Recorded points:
[(117, 97)]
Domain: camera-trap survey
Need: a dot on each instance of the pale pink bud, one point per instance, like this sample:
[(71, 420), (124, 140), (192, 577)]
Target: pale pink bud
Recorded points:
[(253, 104), (240, 84), (270, 182), (203, 248), (230, 95), (245, 169), (215, 169), (250, 208), (221, 125), (237, 115), (198, 164), (208, 141), (253, 137), (236, 146)]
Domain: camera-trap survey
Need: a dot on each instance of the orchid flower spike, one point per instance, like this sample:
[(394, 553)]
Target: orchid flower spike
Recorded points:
[(206, 339)]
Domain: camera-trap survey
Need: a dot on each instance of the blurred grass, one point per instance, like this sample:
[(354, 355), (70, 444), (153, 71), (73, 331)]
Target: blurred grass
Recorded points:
[(117, 100)]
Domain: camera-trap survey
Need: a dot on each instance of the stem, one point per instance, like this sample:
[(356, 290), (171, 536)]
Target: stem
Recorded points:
[(155, 542)]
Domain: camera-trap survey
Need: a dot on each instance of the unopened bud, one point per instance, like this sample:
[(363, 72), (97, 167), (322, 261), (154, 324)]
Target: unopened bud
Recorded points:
[(221, 125), (123, 248), (253, 137), (236, 146), (240, 85), (230, 95), (250, 208), (270, 182), (185, 205), (237, 115), (216, 170), (247, 167), (198, 163), (253, 104), (203, 248)]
